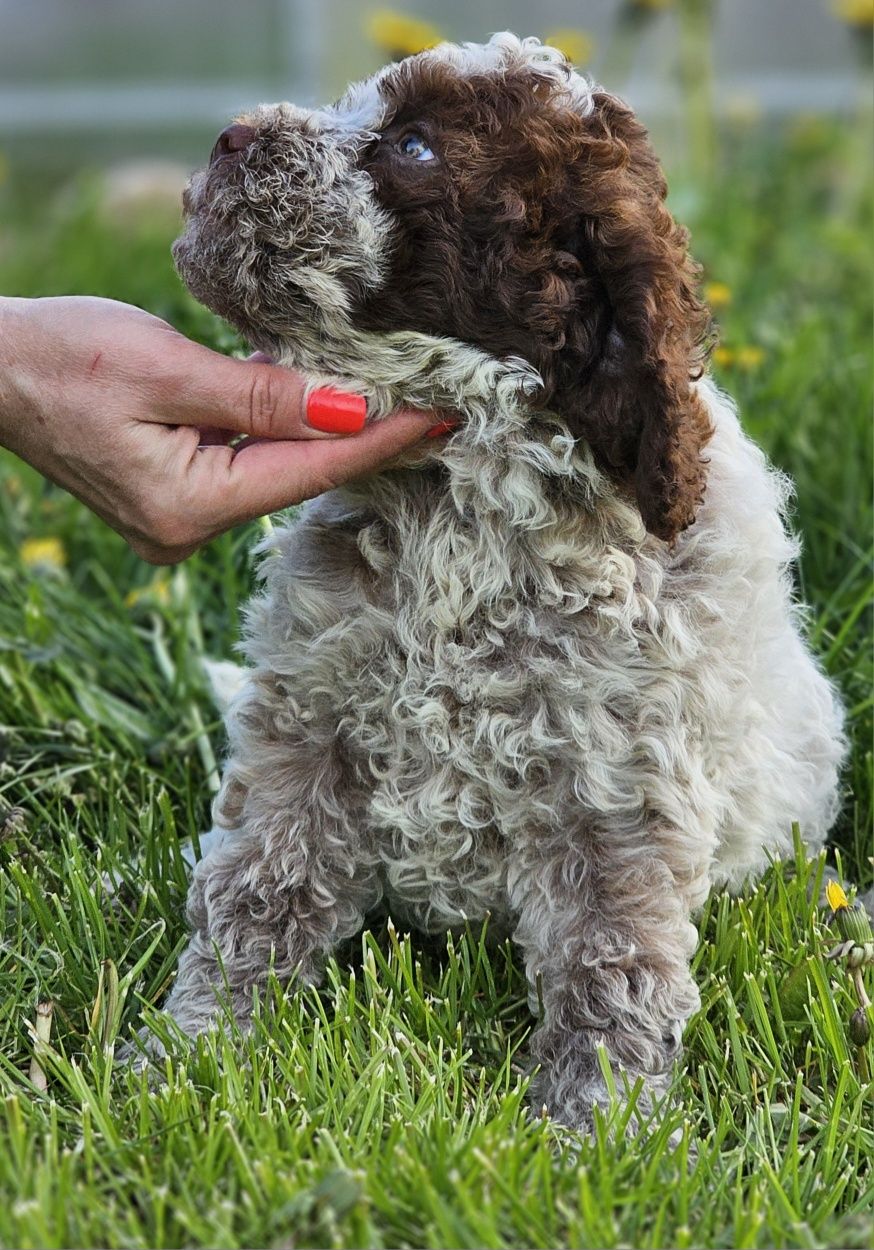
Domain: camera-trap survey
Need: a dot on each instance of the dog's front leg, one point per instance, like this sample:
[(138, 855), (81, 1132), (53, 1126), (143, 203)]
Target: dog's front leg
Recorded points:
[(607, 939), (288, 880)]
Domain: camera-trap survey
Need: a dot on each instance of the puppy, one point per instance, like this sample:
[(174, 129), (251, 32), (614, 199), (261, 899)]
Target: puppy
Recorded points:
[(549, 668)]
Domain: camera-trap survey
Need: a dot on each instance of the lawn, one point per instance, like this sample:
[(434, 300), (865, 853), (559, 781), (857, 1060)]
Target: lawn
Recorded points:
[(388, 1109)]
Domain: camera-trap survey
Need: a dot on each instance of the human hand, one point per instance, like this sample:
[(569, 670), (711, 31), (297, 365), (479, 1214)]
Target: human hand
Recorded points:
[(134, 419)]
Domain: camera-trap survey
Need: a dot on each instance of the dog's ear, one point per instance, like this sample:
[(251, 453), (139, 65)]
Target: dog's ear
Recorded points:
[(647, 332)]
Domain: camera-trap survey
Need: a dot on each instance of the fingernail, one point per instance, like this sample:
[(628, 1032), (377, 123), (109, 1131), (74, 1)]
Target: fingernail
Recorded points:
[(336, 412), (443, 427)]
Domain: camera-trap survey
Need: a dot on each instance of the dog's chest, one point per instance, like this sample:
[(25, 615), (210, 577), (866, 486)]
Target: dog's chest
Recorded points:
[(464, 694), (444, 784), (459, 744)]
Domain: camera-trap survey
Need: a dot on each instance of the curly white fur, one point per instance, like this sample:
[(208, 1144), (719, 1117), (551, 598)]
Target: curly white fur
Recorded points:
[(505, 697)]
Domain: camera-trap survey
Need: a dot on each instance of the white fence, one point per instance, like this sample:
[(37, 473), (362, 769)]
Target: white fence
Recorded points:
[(106, 65)]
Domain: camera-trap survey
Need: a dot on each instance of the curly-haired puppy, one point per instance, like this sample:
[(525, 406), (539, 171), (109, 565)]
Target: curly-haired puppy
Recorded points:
[(550, 668)]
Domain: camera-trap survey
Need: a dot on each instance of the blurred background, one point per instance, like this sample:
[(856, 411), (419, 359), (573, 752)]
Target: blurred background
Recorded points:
[(92, 82), (760, 109)]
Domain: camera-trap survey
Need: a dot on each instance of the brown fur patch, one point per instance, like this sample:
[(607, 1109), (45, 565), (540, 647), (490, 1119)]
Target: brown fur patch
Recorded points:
[(541, 233)]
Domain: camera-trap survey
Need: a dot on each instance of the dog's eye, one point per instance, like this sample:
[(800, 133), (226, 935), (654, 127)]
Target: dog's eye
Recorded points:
[(415, 146)]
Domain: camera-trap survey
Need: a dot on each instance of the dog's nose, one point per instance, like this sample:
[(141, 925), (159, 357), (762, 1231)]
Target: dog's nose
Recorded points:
[(234, 138)]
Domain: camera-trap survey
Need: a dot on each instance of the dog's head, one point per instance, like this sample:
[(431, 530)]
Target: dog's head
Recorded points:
[(485, 194)]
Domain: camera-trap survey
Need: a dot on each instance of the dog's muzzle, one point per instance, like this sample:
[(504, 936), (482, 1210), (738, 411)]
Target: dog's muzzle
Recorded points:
[(232, 141)]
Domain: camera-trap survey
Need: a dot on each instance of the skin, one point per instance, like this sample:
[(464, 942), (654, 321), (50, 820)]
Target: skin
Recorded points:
[(132, 418)]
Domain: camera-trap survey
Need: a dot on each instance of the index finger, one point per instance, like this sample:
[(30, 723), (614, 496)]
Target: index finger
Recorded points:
[(250, 397)]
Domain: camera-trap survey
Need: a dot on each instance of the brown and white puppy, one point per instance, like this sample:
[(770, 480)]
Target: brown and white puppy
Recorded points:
[(550, 669)]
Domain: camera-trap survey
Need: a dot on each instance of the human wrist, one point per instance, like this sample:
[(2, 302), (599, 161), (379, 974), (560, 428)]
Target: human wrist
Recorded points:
[(9, 323), (16, 390)]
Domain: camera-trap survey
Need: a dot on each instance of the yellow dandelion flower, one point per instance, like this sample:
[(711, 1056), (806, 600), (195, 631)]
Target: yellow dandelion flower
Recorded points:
[(717, 294), (750, 357), (156, 591), (577, 45), (854, 12), (43, 553), (400, 34), (835, 896), (743, 108), (723, 356)]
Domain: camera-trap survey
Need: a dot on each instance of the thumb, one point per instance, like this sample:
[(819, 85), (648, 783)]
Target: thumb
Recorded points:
[(267, 476)]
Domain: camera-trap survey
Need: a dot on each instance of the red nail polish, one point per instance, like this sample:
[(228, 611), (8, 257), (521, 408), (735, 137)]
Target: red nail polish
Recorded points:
[(336, 412), (443, 427)]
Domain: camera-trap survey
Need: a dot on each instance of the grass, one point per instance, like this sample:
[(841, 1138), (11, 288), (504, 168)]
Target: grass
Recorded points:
[(388, 1110)]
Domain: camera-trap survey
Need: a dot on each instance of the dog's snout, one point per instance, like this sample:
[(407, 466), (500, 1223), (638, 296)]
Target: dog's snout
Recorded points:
[(234, 138)]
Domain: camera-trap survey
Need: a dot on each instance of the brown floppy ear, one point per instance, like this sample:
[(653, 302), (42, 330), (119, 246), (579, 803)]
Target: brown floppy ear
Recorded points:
[(634, 403)]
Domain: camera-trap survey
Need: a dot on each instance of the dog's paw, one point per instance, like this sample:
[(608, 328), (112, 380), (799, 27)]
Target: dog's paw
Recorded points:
[(144, 1052), (628, 1106)]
